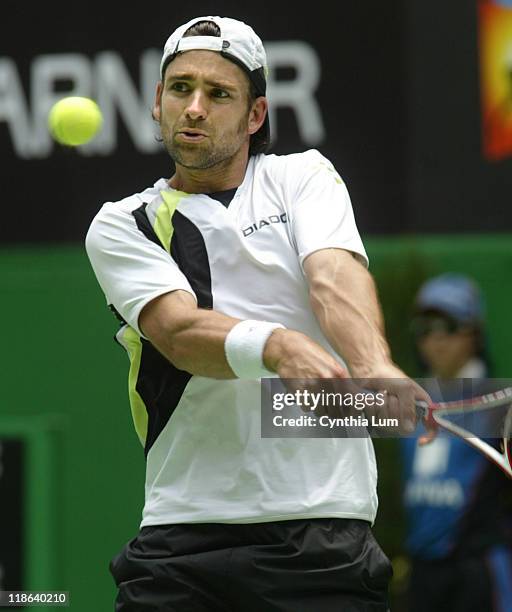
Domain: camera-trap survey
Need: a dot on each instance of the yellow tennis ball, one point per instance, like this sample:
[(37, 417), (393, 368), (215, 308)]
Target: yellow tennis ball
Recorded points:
[(74, 120)]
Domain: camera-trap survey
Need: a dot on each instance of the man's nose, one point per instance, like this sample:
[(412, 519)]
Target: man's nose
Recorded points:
[(197, 106)]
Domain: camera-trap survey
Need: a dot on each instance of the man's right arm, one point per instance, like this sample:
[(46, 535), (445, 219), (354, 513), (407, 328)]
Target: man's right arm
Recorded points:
[(193, 339)]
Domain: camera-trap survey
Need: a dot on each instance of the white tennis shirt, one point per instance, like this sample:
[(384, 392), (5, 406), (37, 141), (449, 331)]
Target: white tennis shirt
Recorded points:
[(206, 459)]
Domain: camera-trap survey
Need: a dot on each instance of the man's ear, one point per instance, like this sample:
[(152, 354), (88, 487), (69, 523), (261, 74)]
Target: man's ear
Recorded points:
[(157, 103), (257, 115)]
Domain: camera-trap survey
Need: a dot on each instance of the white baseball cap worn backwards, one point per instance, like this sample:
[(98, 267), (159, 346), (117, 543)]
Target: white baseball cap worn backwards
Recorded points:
[(237, 42)]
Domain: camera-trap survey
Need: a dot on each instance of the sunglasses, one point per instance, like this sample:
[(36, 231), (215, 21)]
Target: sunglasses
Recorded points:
[(423, 325)]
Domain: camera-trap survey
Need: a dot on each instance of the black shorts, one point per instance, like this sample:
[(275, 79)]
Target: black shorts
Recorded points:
[(318, 565)]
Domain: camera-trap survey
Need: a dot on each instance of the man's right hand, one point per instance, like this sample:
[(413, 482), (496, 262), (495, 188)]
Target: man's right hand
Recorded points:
[(293, 355)]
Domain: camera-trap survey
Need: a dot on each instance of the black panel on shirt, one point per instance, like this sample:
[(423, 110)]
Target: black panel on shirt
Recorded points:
[(224, 197), (141, 219), (159, 383), (188, 250)]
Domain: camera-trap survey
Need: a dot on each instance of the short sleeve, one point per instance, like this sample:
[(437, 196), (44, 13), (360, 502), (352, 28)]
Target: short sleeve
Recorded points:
[(130, 269), (321, 211)]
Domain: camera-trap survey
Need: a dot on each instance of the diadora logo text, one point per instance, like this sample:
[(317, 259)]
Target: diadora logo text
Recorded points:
[(250, 229)]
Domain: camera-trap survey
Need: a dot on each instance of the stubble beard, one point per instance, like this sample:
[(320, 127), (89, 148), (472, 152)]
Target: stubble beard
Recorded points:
[(206, 154), (198, 157)]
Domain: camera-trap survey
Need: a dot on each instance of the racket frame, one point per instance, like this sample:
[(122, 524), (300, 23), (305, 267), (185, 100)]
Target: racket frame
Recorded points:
[(432, 414)]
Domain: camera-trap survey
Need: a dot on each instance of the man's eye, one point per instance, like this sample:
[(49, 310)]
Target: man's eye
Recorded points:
[(179, 87), (219, 93)]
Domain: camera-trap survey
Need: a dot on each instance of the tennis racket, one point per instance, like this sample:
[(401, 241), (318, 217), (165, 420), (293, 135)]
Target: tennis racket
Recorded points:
[(477, 420)]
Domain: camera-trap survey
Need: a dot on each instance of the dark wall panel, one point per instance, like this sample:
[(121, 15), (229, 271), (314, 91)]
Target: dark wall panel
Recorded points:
[(451, 185), (397, 108), (359, 99)]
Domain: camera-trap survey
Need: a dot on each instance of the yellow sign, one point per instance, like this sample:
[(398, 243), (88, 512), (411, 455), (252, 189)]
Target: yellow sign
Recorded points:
[(495, 43)]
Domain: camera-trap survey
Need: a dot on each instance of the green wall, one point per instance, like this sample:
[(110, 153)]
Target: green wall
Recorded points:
[(64, 382), (59, 359)]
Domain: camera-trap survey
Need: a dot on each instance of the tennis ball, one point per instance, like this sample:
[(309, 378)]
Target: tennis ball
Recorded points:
[(73, 121)]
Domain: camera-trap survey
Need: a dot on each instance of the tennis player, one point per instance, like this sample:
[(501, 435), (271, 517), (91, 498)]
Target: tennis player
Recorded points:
[(242, 265)]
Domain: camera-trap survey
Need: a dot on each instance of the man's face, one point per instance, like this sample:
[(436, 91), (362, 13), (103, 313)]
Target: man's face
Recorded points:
[(203, 110)]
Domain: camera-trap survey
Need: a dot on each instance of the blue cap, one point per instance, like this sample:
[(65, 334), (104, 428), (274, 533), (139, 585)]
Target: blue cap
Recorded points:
[(454, 294)]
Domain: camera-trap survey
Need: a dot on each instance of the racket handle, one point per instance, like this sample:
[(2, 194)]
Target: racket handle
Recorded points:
[(421, 409)]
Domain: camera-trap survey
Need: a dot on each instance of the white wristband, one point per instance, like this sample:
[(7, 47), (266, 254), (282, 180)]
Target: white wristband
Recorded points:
[(244, 347)]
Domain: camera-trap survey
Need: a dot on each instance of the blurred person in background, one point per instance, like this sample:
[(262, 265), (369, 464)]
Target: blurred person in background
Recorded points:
[(457, 503)]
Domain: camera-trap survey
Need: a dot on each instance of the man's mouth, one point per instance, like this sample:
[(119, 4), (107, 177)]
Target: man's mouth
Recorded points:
[(192, 135)]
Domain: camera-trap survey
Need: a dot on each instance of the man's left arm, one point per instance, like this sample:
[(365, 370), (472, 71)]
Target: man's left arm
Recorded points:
[(344, 299)]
